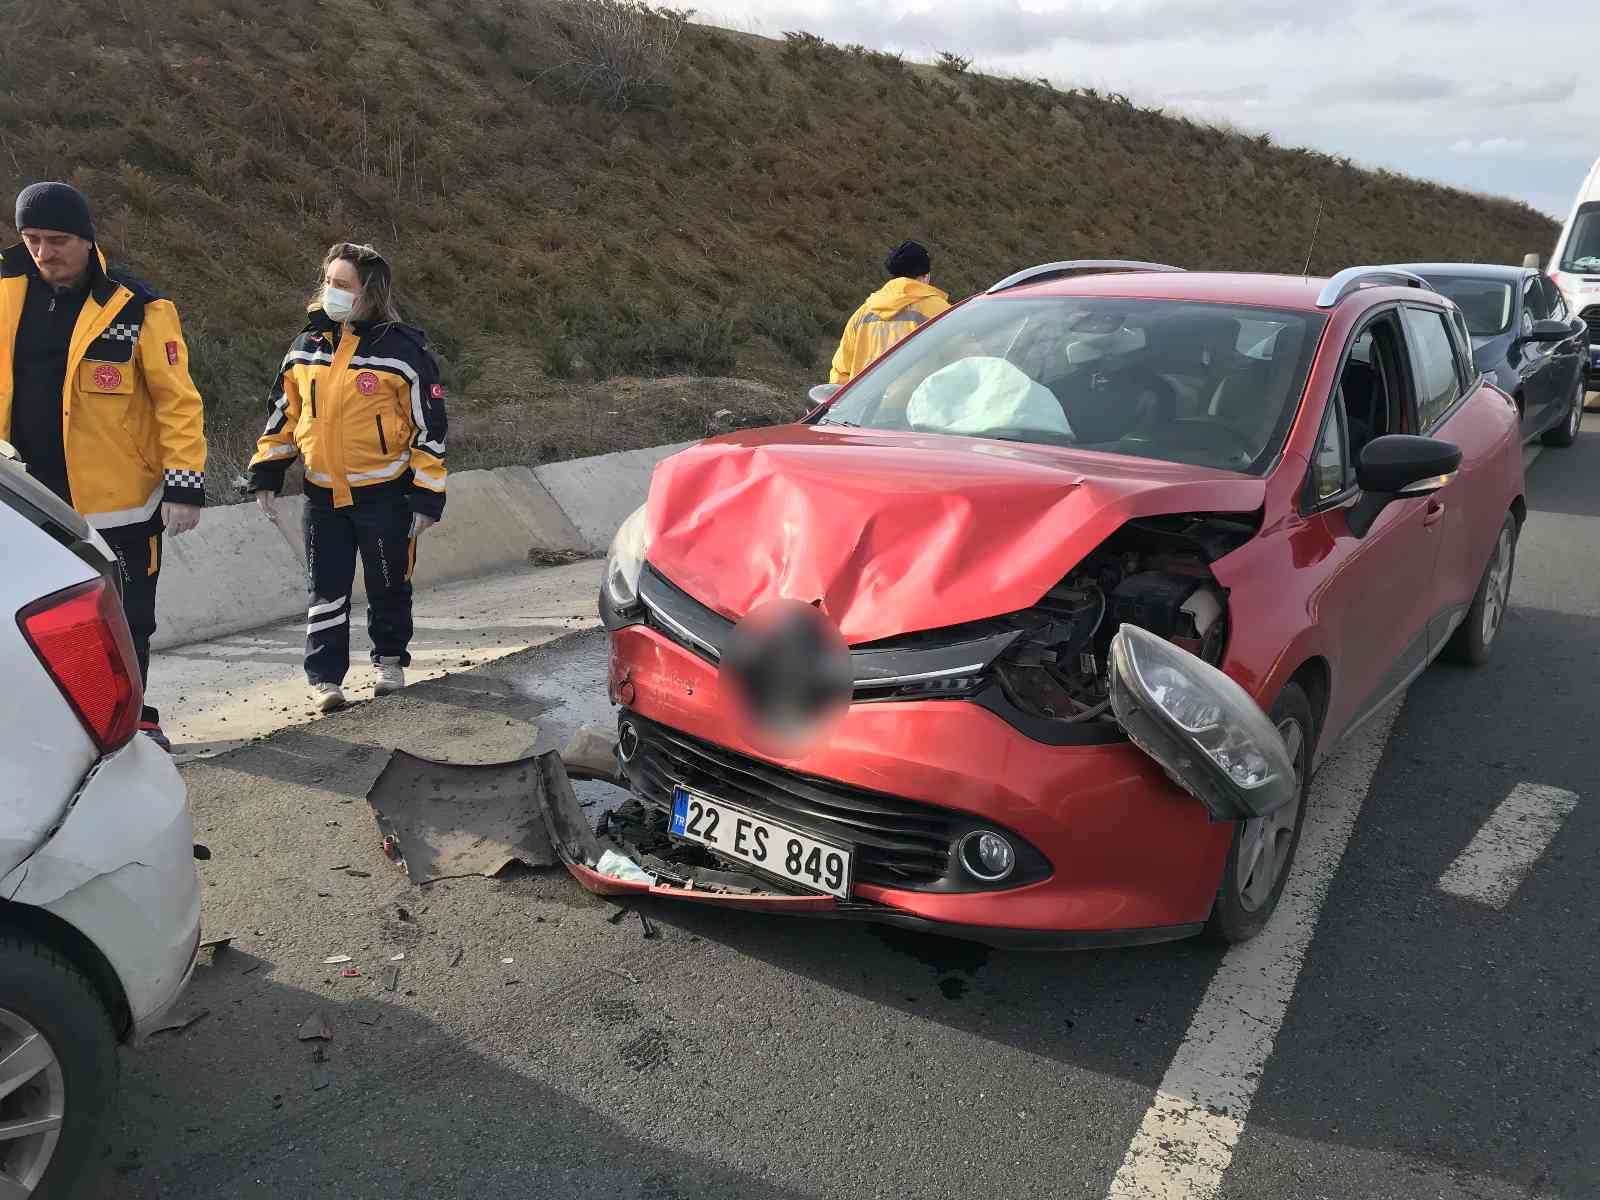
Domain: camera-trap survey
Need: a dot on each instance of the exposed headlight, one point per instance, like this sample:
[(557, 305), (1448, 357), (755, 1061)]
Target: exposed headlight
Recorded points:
[(1211, 737), (625, 561)]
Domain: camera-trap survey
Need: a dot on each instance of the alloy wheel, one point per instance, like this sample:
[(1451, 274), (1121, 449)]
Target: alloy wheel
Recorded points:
[(32, 1105), (1497, 588), (1265, 842), (1575, 417)]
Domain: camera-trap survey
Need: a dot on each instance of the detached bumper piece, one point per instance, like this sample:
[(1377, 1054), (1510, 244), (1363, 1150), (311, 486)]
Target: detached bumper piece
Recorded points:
[(531, 805)]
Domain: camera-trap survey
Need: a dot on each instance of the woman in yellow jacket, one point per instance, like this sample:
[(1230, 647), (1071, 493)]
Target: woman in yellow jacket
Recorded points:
[(358, 398)]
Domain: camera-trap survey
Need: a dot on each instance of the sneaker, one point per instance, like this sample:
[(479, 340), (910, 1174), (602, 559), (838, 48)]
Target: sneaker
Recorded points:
[(150, 726), (390, 677), (328, 696)]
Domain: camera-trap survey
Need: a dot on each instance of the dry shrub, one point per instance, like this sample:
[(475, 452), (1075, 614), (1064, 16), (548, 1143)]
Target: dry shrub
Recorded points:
[(618, 54)]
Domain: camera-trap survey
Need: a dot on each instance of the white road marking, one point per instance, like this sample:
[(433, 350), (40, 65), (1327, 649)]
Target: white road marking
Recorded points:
[(1185, 1143), (1493, 866)]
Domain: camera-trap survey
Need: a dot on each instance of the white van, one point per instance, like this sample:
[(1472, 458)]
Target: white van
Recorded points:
[(1575, 266)]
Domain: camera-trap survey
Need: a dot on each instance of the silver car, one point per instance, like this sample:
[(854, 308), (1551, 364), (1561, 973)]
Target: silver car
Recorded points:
[(99, 901)]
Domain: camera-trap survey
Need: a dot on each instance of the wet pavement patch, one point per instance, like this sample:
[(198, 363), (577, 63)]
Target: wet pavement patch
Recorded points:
[(943, 955)]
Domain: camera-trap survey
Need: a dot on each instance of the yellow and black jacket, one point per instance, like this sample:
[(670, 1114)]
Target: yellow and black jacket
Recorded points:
[(891, 313), (132, 423), (365, 410)]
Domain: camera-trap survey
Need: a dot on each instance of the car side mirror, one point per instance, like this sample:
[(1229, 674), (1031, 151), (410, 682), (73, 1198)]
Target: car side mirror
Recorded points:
[(1399, 466), (822, 393), (1549, 331)]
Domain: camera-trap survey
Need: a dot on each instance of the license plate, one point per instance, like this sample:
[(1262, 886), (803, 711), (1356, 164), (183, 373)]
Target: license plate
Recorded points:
[(774, 847)]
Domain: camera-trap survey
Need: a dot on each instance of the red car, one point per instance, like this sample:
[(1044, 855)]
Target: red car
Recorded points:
[(1036, 630)]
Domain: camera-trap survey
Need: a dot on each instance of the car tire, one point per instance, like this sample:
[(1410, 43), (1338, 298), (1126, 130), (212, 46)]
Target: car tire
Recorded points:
[(43, 995), (1245, 900), (1566, 433), (1474, 640)]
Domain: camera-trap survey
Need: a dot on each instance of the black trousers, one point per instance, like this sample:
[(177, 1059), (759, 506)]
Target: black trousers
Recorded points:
[(378, 528), (138, 551)]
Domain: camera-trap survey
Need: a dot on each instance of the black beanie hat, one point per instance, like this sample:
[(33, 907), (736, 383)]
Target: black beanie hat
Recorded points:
[(58, 207), (909, 259)]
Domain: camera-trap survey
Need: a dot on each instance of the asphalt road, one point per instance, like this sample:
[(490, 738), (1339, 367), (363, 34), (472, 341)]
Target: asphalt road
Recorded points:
[(1431, 1046)]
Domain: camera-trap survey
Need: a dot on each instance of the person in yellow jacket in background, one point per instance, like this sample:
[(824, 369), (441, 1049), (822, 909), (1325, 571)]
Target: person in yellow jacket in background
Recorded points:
[(96, 398), (358, 398), (890, 313)]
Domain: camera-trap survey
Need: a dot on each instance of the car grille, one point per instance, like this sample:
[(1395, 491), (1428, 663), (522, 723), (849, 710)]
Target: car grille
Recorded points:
[(899, 843), (1591, 318)]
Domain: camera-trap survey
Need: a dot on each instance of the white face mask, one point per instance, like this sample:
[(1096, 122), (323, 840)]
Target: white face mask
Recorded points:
[(337, 302)]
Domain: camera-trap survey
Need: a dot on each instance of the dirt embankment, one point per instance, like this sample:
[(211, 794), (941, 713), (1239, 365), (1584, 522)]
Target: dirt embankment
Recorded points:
[(580, 191)]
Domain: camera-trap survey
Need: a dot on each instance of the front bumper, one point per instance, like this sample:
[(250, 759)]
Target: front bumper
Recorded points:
[(1131, 857), (120, 870)]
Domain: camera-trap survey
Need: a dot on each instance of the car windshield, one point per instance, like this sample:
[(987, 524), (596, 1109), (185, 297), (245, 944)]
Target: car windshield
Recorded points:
[(1583, 246), (1487, 304), (1207, 384)]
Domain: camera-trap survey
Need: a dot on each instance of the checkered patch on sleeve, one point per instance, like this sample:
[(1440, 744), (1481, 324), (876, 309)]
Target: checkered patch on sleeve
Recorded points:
[(123, 331), (185, 479)]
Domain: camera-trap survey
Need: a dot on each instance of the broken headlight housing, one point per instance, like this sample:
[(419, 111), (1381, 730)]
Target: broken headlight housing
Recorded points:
[(625, 561), (1201, 726)]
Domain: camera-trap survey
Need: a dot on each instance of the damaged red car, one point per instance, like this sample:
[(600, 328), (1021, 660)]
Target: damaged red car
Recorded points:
[(1035, 632)]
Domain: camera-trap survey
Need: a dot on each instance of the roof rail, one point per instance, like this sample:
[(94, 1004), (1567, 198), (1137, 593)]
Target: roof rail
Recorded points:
[(1072, 267), (1352, 278)]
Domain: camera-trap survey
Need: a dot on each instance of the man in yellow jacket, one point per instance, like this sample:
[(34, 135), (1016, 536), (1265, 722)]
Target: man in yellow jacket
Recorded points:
[(890, 313), (95, 395)]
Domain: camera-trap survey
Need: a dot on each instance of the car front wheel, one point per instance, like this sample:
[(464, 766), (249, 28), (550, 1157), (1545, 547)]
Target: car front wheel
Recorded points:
[(58, 1070), (1263, 848), (1474, 641), (1566, 433)]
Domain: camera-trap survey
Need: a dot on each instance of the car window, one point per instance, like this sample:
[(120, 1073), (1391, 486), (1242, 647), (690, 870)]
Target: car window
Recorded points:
[(1554, 298), (1535, 302), (1330, 471), (1490, 305), (1583, 243), (1466, 372), (1214, 385), (1433, 365)]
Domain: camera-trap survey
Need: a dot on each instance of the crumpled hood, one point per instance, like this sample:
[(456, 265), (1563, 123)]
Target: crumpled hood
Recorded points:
[(896, 533), (898, 294)]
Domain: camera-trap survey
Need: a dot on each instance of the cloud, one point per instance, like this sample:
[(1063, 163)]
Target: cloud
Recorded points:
[(1556, 89), (1489, 146)]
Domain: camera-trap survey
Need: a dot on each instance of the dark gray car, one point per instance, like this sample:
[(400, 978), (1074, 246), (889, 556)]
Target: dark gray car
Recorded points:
[(1524, 339)]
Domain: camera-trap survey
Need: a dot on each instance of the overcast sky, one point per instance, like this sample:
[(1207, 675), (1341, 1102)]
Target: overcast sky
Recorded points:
[(1495, 96)]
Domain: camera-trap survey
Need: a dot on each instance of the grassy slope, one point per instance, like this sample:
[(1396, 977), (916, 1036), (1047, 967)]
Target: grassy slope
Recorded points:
[(226, 144)]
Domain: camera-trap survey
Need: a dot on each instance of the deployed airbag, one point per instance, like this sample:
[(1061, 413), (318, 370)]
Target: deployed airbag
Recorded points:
[(980, 394)]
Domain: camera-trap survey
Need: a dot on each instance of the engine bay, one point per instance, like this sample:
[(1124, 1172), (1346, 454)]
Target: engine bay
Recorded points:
[(1155, 574)]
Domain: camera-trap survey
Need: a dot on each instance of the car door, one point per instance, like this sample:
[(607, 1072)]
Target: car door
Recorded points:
[(1567, 358), (1538, 387), (1453, 405), (1377, 599)]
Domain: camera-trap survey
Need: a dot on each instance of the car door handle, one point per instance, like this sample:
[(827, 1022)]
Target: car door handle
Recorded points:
[(1434, 512)]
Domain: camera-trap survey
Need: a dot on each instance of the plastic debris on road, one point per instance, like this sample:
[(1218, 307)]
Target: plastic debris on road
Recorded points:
[(617, 866), (316, 1028)]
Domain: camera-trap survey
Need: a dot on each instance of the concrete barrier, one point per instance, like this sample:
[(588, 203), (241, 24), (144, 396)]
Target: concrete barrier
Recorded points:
[(239, 571), (598, 493), (235, 570)]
